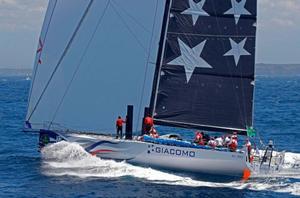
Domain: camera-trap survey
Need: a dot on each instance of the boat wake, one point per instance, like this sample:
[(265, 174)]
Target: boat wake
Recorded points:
[(71, 159)]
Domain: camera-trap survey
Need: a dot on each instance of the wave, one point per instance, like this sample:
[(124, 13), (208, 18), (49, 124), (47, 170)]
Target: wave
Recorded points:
[(71, 159)]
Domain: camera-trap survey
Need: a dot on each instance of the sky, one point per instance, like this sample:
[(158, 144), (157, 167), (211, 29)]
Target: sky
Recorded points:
[(278, 39)]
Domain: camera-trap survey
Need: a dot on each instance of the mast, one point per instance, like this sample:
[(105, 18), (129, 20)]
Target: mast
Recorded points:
[(160, 52)]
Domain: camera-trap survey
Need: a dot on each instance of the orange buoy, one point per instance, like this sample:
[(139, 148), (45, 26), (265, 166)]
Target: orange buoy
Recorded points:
[(246, 174)]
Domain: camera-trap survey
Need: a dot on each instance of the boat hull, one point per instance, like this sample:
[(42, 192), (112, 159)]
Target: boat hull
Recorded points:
[(206, 161)]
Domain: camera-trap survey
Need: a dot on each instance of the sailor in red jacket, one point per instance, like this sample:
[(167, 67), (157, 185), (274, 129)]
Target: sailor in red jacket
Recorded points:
[(148, 123), (199, 138), (233, 144), (119, 127), (249, 148)]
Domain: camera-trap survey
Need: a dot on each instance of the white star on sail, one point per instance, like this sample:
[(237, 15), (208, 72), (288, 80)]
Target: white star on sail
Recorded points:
[(196, 10), (190, 58), (237, 50), (238, 9)]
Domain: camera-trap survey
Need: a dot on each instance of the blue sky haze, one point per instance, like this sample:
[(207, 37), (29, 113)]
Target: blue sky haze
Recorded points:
[(278, 32)]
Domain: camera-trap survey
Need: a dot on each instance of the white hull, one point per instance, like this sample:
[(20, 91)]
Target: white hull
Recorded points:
[(207, 161)]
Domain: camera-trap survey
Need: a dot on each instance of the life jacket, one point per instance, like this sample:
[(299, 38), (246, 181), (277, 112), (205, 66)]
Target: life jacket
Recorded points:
[(198, 136), (233, 145), (212, 143), (119, 122), (234, 137), (251, 159), (153, 133), (199, 139), (248, 145), (148, 121), (226, 141), (219, 141)]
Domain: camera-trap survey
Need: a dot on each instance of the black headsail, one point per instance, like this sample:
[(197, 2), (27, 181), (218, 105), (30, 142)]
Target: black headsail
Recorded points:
[(205, 78)]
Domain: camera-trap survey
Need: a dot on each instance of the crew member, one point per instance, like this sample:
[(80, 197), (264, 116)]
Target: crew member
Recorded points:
[(148, 123), (248, 145), (205, 138), (233, 144), (153, 133), (219, 141), (119, 127), (226, 141), (199, 138), (212, 143), (234, 136)]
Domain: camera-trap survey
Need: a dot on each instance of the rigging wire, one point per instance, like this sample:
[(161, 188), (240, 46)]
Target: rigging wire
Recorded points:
[(129, 29), (62, 56), (133, 18), (80, 61), (147, 64), (40, 54)]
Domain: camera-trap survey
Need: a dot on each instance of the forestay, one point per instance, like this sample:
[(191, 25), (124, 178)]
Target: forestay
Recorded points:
[(91, 63), (206, 75)]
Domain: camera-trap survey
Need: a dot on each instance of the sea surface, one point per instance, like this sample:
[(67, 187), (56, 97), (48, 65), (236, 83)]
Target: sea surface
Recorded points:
[(66, 170)]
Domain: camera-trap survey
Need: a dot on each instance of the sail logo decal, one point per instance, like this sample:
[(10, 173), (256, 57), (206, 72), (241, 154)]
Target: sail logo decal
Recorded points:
[(170, 151)]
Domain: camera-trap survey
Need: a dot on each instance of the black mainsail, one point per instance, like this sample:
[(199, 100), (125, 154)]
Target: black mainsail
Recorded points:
[(205, 78)]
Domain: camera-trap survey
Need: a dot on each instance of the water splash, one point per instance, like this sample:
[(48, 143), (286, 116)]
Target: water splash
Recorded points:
[(71, 159)]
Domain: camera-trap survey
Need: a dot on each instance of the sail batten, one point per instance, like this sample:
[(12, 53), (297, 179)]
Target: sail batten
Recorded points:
[(206, 78), (188, 125)]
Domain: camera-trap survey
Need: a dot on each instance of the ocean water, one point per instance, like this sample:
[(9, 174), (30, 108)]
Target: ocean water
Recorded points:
[(66, 170)]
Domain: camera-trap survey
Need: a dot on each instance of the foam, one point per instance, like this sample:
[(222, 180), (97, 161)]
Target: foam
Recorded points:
[(291, 160), (71, 159)]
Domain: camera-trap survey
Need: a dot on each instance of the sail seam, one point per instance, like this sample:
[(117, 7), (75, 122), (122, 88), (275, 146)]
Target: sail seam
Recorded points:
[(218, 75), (178, 11), (200, 125), (211, 35)]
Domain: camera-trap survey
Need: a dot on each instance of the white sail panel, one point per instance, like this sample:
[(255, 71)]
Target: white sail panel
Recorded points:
[(102, 71), (57, 29)]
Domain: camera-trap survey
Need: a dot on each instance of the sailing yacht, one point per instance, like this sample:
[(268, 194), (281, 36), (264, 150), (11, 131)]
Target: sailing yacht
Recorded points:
[(90, 67)]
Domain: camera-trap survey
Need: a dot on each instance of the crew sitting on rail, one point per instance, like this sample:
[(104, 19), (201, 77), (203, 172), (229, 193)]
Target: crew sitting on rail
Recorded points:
[(199, 138), (212, 143), (226, 141), (219, 141), (233, 144), (205, 138), (153, 133), (234, 136)]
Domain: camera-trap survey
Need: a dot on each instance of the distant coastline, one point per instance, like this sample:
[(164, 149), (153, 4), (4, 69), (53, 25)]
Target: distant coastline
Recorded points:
[(261, 69), (15, 72)]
